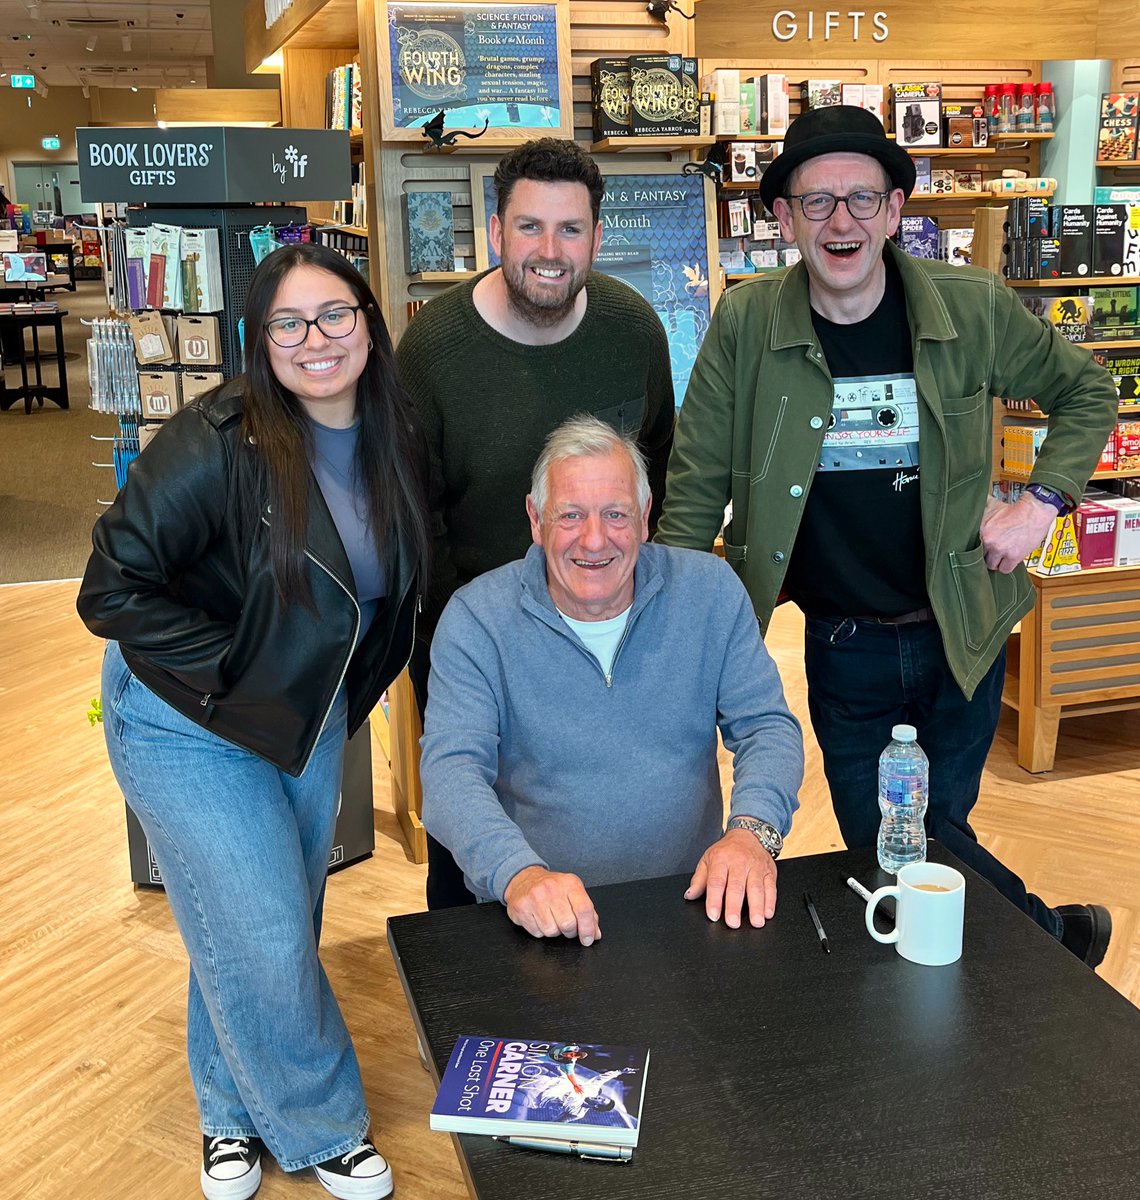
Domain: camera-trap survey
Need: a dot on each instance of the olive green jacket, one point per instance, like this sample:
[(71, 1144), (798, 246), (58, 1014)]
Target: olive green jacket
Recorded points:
[(752, 424)]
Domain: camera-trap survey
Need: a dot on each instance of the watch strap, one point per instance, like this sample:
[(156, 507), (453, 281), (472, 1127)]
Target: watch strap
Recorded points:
[(767, 834), (1048, 495)]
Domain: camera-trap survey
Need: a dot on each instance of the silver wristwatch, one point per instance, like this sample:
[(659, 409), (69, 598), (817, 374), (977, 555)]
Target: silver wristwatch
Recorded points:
[(769, 835)]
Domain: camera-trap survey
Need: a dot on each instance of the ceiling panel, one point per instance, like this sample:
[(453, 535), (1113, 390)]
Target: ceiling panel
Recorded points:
[(134, 43)]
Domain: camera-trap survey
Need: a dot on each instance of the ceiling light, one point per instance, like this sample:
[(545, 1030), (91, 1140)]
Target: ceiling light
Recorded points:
[(133, 88), (91, 41)]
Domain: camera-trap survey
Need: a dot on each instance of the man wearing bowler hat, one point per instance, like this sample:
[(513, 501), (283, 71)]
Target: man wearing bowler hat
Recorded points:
[(844, 406)]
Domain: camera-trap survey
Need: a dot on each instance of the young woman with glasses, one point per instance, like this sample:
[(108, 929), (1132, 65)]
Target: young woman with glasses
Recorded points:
[(257, 580)]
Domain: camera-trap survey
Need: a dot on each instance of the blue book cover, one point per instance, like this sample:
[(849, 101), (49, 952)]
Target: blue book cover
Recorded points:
[(516, 1087)]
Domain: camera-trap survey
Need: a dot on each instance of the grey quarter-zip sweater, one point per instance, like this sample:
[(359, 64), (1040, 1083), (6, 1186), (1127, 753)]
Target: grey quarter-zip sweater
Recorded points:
[(530, 756)]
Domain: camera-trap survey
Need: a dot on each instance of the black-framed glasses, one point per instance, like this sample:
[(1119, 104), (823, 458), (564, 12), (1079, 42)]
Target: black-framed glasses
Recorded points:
[(818, 206), (288, 332)]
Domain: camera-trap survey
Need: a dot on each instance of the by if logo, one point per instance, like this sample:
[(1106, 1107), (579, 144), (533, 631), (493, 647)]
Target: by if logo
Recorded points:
[(299, 162)]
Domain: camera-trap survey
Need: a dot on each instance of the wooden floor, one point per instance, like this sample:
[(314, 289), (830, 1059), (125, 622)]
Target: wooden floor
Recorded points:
[(95, 1100)]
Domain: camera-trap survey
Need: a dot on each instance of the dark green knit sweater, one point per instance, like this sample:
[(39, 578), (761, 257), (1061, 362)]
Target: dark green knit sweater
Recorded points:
[(487, 404)]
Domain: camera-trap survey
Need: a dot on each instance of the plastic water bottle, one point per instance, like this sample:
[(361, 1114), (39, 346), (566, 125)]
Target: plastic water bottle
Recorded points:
[(904, 789)]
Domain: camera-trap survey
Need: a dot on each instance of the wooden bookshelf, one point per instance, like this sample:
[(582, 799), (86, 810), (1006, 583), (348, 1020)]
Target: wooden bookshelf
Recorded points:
[(1087, 281), (635, 145)]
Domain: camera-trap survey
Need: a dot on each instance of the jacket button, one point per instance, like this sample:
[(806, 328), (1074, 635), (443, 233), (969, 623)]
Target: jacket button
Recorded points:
[(778, 557), (817, 422), (795, 490)]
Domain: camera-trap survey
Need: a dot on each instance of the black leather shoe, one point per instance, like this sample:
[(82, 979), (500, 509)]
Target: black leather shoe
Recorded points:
[(1087, 931)]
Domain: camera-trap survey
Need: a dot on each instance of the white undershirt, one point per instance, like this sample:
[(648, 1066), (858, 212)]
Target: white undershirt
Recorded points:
[(601, 638)]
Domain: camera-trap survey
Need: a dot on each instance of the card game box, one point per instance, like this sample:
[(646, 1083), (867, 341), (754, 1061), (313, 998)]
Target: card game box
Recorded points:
[(1074, 226), (1095, 526), (1116, 239)]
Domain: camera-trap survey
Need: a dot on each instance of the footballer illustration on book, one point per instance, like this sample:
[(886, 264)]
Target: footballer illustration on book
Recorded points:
[(522, 1087)]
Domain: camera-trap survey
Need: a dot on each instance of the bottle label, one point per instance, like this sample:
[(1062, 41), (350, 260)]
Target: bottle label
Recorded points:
[(903, 792)]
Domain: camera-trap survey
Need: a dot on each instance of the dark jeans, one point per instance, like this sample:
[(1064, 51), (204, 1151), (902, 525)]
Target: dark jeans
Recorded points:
[(445, 886), (863, 678)]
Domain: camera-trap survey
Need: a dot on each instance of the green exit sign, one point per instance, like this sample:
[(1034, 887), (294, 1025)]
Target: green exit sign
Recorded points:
[(23, 81), (50, 143)]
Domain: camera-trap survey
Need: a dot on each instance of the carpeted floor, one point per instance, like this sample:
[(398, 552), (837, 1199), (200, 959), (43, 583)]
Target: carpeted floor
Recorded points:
[(49, 490)]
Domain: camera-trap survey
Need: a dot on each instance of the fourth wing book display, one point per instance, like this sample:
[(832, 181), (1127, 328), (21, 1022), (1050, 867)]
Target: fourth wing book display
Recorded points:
[(515, 1087)]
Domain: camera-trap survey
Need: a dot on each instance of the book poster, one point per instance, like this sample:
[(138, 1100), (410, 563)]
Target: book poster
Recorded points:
[(656, 236), (480, 62)]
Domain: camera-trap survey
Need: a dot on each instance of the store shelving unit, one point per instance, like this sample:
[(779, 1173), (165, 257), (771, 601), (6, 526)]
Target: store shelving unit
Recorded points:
[(1076, 650)]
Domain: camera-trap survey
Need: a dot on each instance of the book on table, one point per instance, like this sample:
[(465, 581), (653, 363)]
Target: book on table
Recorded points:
[(590, 1093)]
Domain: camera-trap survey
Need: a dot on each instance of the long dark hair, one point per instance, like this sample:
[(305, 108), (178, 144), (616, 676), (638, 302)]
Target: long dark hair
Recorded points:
[(275, 433)]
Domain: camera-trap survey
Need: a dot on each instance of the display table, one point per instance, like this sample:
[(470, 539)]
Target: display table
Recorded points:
[(1076, 654), (778, 1071), (12, 327)]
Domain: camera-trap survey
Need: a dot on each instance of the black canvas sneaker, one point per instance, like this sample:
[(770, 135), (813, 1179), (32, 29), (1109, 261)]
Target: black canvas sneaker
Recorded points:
[(231, 1167), (361, 1174)]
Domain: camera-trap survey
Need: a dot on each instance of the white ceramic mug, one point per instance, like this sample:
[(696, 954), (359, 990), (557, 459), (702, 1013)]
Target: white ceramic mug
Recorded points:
[(930, 903)]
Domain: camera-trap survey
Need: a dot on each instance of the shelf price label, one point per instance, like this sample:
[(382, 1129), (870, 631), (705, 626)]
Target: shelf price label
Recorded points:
[(22, 81), (50, 143)]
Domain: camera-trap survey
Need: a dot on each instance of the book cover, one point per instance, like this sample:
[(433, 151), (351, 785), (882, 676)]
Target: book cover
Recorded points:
[(531, 1088), (1116, 137), (656, 95), (431, 231), (609, 97)]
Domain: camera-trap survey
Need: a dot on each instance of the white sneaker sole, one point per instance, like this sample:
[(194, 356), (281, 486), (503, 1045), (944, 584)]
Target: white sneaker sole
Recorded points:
[(344, 1187), (240, 1188)]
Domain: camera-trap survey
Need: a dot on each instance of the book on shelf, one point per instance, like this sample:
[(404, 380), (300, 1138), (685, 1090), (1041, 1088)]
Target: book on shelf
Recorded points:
[(1116, 137), (591, 1093)]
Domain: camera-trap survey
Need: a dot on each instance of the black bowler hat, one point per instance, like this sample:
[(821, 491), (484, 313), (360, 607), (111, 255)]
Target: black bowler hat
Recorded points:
[(836, 129)]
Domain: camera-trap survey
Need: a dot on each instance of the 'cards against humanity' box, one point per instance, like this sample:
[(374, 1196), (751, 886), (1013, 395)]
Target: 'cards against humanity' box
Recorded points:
[(1116, 239), (1074, 229), (609, 97)]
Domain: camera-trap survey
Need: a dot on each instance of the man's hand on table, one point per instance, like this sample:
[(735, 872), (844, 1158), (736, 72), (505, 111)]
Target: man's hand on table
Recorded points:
[(552, 904), (731, 869)]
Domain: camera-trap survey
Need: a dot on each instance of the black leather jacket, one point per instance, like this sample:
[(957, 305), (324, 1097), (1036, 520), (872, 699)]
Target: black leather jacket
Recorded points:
[(199, 621)]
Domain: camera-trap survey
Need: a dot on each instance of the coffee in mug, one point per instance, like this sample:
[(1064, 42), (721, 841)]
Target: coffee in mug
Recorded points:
[(930, 905)]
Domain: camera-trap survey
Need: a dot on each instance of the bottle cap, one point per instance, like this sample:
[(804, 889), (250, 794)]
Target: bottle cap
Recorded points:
[(904, 733)]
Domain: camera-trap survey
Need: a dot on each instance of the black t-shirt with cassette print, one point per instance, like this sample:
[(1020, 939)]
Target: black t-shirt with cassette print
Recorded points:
[(859, 550)]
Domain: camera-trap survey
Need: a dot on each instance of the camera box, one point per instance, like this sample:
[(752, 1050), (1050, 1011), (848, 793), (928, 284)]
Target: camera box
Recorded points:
[(917, 114), (1096, 534), (199, 341), (159, 393), (821, 93), (771, 103), (1127, 529), (609, 97), (918, 236), (959, 129)]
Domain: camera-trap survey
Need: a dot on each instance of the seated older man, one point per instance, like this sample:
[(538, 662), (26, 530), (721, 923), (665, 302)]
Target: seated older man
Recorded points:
[(575, 695)]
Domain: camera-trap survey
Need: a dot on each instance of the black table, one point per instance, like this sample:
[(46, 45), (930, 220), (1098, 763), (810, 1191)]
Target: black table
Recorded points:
[(12, 326), (778, 1071)]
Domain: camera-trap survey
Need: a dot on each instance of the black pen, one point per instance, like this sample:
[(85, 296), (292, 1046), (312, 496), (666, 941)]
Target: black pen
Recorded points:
[(581, 1149), (815, 921)]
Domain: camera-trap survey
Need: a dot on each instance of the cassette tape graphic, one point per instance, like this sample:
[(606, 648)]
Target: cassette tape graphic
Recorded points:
[(873, 426)]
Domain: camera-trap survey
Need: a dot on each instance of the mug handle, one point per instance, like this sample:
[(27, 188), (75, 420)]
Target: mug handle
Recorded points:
[(872, 904)]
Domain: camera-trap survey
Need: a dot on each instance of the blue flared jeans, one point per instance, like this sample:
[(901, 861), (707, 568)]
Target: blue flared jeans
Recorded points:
[(863, 678), (243, 849)]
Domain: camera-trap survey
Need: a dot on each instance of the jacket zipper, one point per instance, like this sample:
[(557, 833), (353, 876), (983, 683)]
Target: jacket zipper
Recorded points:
[(348, 657)]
